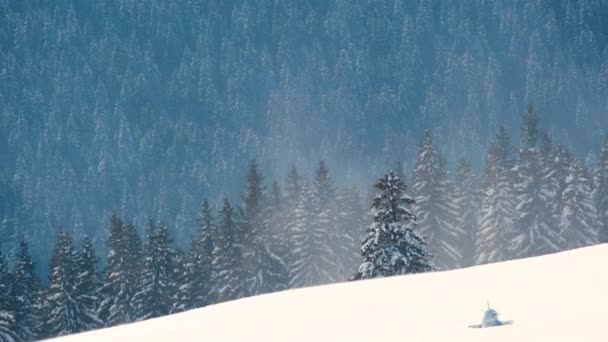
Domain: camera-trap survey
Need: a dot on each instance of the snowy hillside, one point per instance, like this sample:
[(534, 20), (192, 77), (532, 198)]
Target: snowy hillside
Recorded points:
[(559, 297)]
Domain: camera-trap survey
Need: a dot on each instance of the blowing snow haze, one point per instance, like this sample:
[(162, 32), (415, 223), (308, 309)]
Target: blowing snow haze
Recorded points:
[(119, 119)]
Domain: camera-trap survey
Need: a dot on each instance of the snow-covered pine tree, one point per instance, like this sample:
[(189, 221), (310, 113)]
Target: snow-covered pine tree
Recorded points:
[(496, 229), (121, 274), (43, 328), (277, 236), (434, 208), (579, 222), (180, 284), (557, 167), (392, 246), (27, 295), (88, 286), (8, 331), (293, 193), (324, 232), (263, 270), (155, 295), (226, 273), (251, 228), (352, 219), (275, 211), (134, 244), (537, 233), (551, 175), (467, 201), (601, 193), (65, 310), (303, 268), (201, 258)]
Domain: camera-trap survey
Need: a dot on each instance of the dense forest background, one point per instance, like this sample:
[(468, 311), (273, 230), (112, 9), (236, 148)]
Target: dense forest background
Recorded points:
[(145, 108)]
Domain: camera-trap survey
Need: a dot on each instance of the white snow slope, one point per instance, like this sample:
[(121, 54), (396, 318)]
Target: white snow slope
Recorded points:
[(559, 297)]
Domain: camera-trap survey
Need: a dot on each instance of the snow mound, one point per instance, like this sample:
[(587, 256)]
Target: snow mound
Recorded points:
[(558, 297)]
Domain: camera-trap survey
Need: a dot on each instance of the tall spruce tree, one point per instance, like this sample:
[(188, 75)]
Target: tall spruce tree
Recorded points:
[(467, 201), (496, 227), (155, 294), (537, 234), (352, 221), (88, 286), (227, 258), (252, 228), (304, 270), (293, 193), (201, 259), (8, 331), (434, 208), (579, 222), (27, 293), (277, 236), (392, 245), (275, 216), (181, 282), (324, 227), (122, 273), (551, 181), (557, 168), (264, 271), (43, 327), (65, 310), (601, 193)]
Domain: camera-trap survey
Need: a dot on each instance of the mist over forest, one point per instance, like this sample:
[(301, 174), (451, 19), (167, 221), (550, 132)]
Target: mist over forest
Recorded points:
[(146, 108), (159, 156)]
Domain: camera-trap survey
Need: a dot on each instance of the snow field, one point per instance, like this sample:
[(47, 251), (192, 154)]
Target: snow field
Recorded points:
[(558, 297)]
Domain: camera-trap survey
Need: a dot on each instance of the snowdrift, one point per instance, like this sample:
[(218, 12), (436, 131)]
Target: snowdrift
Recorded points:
[(559, 297)]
